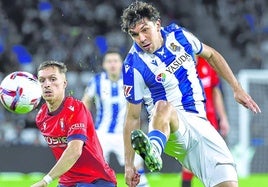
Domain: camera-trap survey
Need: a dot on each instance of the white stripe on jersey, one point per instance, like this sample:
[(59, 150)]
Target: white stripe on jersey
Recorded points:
[(110, 103)]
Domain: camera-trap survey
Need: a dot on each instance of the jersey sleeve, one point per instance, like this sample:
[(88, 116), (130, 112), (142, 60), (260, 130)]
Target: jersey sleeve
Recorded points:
[(133, 83), (79, 122), (194, 41)]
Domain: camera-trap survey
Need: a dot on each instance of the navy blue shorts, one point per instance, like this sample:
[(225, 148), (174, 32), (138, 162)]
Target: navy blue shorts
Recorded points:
[(97, 183)]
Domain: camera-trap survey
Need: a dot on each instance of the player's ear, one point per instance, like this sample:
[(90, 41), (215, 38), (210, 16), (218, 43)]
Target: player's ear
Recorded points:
[(158, 24), (65, 83)]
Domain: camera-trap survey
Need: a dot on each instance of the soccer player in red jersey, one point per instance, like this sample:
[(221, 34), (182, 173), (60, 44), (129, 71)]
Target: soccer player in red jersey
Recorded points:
[(69, 131), (215, 109)]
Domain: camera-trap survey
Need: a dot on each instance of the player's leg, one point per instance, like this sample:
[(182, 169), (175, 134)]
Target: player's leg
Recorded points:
[(227, 177), (187, 177), (208, 155), (164, 120)]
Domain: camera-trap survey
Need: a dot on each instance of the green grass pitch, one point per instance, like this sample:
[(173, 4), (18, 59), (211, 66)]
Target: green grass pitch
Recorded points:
[(155, 180)]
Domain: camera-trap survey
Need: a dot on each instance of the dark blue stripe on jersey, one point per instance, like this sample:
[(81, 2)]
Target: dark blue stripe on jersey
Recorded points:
[(114, 117), (186, 88), (155, 87), (115, 108), (184, 42), (167, 58), (77, 137), (128, 78), (98, 92)]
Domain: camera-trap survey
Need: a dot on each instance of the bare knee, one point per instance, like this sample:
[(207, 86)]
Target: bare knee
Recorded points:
[(165, 114), (162, 107)]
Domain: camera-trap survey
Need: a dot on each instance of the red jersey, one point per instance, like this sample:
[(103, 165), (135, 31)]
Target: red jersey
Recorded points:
[(73, 121), (210, 80)]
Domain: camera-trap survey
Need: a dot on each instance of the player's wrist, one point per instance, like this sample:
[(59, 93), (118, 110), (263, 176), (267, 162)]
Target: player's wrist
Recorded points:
[(48, 179)]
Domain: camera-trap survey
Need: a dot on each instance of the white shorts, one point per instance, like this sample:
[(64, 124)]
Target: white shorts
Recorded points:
[(113, 143), (201, 149)]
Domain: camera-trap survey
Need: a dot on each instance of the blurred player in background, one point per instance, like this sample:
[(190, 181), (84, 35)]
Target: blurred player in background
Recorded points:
[(105, 90), (215, 108), (68, 129), (160, 70)]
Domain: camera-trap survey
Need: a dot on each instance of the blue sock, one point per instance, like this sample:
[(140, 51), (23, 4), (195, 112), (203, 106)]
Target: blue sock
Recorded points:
[(159, 137), (141, 171)]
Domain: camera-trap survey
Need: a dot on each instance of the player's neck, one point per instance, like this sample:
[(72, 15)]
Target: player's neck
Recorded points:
[(114, 77), (53, 105)]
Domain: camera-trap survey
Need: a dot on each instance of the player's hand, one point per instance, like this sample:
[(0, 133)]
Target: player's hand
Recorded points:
[(40, 183), (244, 99), (132, 177), (224, 127)]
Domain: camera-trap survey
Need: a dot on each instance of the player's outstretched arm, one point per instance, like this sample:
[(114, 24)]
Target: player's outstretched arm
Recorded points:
[(132, 122), (66, 161), (220, 65)]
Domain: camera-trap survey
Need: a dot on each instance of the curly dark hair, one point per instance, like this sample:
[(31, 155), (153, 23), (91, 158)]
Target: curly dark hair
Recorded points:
[(135, 12)]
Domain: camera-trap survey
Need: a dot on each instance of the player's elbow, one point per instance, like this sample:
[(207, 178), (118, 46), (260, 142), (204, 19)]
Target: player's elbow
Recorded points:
[(75, 148), (76, 154)]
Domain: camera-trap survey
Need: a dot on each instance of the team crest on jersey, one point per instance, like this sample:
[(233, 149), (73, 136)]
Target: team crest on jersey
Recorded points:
[(161, 78), (174, 47), (44, 126), (62, 124), (127, 89)]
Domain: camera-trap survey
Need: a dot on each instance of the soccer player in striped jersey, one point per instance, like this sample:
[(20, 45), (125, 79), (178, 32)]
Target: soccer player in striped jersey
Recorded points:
[(160, 70), (69, 131), (105, 90)]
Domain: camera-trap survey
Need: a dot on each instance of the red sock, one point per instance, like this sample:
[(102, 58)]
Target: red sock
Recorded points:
[(187, 175)]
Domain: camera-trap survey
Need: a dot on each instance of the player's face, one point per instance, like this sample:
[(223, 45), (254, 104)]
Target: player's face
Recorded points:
[(147, 35), (112, 64), (53, 84)]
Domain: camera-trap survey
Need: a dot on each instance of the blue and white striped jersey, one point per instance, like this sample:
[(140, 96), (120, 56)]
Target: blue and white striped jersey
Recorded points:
[(167, 74), (110, 103)]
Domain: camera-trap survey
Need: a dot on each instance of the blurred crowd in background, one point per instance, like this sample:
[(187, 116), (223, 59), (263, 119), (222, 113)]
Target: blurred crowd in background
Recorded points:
[(80, 32)]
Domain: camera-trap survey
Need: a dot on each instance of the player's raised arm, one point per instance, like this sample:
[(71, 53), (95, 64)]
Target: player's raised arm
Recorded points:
[(218, 62)]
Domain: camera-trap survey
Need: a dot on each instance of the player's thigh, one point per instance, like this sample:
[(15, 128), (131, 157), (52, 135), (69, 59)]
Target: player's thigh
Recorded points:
[(210, 156)]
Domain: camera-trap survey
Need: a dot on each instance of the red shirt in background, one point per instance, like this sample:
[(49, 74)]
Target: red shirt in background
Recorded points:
[(210, 80)]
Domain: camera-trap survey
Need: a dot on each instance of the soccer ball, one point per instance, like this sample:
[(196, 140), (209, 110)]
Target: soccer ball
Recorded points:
[(20, 92)]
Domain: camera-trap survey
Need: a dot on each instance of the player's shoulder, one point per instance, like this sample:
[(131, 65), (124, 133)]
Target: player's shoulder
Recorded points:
[(132, 54), (171, 28), (98, 75), (73, 104), (42, 111)]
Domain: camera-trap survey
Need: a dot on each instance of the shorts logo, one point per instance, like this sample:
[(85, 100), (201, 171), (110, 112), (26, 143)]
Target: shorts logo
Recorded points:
[(160, 77)]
